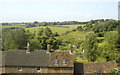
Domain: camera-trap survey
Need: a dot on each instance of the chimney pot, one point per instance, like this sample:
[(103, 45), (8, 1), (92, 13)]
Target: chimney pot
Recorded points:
[(48, 48), (28, 48)]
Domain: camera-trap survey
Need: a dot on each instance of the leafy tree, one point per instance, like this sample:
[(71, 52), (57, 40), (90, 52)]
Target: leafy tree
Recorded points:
[(14, 39), (56, 34), (35, 22), (44, 37), (107, 51), (79, 28), (47, 32), (90, 45), (111, 37)]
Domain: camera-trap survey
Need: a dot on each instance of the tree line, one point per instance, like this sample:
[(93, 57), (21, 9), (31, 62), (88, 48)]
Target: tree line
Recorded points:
[(17, 39)]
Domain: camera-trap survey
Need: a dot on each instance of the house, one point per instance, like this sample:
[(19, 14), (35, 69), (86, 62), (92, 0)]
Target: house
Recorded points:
[(48, 61), (37, 61)]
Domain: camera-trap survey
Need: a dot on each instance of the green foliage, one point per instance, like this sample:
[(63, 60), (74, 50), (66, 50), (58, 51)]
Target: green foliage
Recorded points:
[(80, 61), (64, 47), (101, 59), (107, 51), (111, 37), (109, 25), (42, 38), (90, 45), (35, 22), (55, 34), (47, 32), (91, 41), (30, 25), (79, 28), (14, 39), (98, 38)]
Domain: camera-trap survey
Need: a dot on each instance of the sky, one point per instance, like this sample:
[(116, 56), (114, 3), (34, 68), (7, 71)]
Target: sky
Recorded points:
[(57, 10)]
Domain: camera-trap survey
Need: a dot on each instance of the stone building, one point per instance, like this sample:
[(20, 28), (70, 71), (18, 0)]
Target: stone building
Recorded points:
[(48, 61), (38, 61)]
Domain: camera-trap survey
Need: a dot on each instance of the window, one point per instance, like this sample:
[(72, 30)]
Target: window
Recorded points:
[(64, 61), (55, 61), (38, 69), (19, 68)]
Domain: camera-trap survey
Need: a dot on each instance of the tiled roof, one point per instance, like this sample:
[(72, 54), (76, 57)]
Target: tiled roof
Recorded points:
[(21, 58), (2, 58)]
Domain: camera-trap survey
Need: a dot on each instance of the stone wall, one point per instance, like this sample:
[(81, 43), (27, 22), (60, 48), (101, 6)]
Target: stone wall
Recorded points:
[(101, 67), (2, 69), (24, 70), (42, 70)]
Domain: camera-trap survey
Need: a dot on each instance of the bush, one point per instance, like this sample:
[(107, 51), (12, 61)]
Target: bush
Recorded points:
[(81, 61), (101, 59)]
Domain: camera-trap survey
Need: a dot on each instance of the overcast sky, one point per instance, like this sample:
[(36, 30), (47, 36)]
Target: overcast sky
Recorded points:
[(57, 10)]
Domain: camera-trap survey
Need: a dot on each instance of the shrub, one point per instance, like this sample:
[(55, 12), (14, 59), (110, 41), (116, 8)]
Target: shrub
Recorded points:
[(81, 61), (101, 59)]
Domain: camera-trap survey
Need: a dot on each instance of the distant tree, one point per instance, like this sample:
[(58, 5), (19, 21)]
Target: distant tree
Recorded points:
[(35, 22), (103, 26), (5, 24), (40, 32), (56, 34), (48, 32), (79, 28), (30, 25)]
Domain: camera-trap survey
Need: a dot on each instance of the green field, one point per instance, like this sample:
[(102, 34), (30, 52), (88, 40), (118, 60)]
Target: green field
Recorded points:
[(13, 25), (73, 37), (60, 29)]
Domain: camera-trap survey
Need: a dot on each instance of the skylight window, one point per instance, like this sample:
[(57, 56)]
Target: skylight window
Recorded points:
[(64, 61), (55, 61)]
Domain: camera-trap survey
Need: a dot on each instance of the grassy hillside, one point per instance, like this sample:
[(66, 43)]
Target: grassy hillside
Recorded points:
[(60, 29), (66, 33), (73, 37)]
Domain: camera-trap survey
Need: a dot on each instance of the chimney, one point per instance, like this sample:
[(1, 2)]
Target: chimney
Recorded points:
[(28, 48), (48, 48)]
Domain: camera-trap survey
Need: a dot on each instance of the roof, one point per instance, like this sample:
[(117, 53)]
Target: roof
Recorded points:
[(61, 55), (21, 58), (2, 58)]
